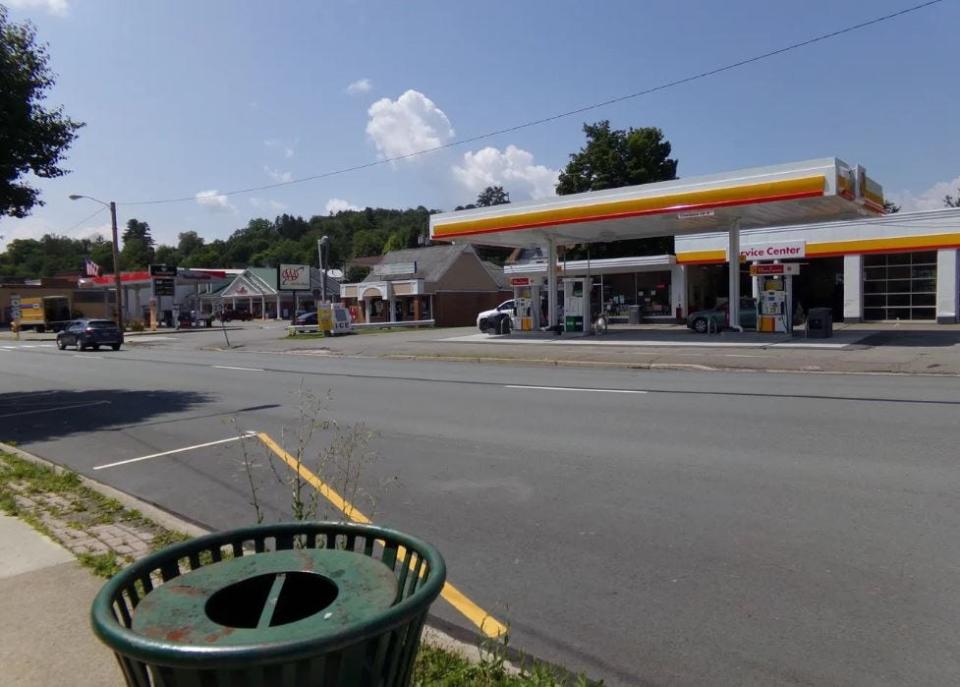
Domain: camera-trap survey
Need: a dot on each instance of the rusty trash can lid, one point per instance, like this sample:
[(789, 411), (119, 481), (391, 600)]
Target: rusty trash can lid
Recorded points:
[(267, 598)]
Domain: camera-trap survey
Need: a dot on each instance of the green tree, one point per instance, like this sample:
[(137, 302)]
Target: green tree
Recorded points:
[(613, 158), (33, 138), (101, 252), (137, 250), (951, 201), (890, 208), (290, 227), (167, 255), (189, 243), (367, 242), (492, 195), (616, 157)]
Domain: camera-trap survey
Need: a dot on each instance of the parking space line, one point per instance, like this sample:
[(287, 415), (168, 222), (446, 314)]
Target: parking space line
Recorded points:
[(574, 388), (487, 624), (56, 408), (245, 435), (242, 369)]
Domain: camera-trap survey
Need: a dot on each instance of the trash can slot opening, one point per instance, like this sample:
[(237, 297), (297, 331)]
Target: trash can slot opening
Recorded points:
[(271, 599)]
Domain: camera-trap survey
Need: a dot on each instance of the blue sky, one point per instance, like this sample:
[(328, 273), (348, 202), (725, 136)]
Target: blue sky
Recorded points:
[(184, 98)]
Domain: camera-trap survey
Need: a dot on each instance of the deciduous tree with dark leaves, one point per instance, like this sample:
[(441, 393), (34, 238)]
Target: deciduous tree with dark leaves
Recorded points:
[(33, 137), (616, 157), (613, 158)]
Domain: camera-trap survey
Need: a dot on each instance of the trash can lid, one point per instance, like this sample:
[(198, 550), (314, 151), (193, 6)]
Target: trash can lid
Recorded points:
[(267, 598)]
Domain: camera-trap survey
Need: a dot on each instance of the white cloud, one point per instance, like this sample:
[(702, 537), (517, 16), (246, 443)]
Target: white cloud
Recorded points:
[(277, 175), (408, 124), (285, 147), (360, 86), (35, 227), (59, 8), (213, 201), (335, 205), (262, 203), (930, 199), (511, 168)]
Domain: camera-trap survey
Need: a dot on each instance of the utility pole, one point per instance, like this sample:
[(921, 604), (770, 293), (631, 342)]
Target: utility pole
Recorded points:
[(116, 265), (116, 252), (323, 268)]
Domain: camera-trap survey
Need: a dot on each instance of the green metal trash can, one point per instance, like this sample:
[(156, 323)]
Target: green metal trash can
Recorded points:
[(291, 605)]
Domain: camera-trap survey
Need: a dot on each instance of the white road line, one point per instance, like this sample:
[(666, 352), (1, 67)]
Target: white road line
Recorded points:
[(572, 388), (242, 369), (51, 410), (80, 355), (245, 435)]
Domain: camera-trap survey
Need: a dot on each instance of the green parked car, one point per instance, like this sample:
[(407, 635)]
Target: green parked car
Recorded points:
[(699, 321)]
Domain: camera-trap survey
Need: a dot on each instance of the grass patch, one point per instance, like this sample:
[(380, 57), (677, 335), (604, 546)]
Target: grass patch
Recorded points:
[(306, 335), (52, 501), (437, 667), (102, 564)]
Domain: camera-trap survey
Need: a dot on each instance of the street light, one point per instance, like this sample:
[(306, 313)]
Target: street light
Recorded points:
[(116, 252), (325, 240)]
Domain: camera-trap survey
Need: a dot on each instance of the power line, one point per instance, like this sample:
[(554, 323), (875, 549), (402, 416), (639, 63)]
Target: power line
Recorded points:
[(85, 219), (563, 115)]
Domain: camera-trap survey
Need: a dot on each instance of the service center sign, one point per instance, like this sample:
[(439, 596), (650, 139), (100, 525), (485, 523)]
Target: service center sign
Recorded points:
[(293, 277), (774, 251)]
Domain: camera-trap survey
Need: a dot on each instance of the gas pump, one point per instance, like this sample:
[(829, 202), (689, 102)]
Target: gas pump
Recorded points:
[(526, 305), (774, 314), (775, 309), (576, 305)]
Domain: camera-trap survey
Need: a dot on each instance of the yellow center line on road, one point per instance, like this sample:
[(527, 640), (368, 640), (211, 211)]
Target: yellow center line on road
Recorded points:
[(487, 624)]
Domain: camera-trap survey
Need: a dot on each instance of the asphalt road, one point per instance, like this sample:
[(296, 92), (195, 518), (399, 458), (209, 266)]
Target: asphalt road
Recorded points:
[(702, 529)]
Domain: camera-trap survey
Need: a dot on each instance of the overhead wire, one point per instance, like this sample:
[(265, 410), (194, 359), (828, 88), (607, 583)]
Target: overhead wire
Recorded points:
[(562, 115), (85, 219)]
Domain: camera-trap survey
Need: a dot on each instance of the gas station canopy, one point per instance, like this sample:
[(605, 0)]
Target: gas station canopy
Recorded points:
[(795, 193)]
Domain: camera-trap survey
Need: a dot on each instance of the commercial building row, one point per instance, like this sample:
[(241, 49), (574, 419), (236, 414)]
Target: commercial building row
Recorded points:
[(200, 292), (895, 267)]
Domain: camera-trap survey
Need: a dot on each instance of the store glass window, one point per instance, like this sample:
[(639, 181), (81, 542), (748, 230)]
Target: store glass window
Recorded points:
[(902, 286)]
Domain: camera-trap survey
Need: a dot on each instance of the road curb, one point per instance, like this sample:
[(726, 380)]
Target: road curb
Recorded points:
[(432, 635), (638, 365)]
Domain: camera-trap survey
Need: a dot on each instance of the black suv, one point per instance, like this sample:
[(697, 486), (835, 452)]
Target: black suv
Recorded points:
[(90, 334)]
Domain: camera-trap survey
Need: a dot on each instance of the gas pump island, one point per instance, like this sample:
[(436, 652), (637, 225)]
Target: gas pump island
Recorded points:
[(775, 289), (529, 300)]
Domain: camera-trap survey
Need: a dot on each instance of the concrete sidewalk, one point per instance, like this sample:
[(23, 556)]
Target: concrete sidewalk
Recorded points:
[(45, 598), (872, 349)]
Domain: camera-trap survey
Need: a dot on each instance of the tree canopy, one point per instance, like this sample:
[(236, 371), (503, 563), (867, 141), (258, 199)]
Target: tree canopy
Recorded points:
[(33, 138), (491, 195), (616, 157), (613, 158)]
